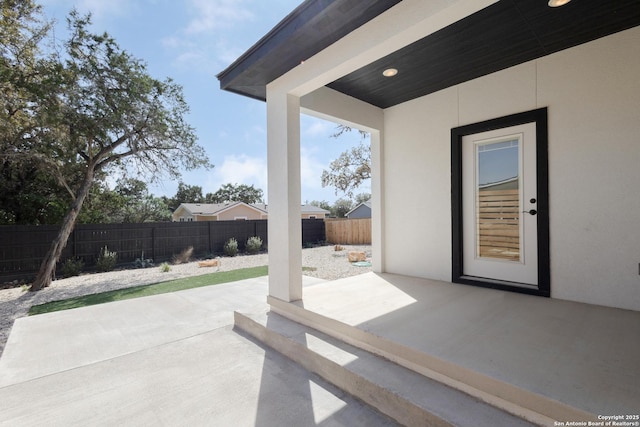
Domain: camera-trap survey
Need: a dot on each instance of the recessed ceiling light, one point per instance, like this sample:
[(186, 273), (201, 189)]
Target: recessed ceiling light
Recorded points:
[(390, 72), (557, 3)]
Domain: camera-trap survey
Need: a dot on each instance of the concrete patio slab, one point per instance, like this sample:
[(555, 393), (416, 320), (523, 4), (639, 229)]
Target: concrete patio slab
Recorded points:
[(54, 342), (214, 378), (169, 359)]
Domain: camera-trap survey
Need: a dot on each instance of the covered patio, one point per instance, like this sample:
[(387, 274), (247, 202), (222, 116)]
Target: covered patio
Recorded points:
[(438, 85), (543, 360), (421, 78)]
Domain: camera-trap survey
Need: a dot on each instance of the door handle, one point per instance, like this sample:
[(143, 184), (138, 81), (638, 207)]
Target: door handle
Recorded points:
[(531, 212)]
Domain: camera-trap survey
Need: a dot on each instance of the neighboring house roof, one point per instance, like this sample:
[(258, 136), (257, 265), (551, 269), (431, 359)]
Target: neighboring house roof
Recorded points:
[(366, 204), (210, 209), (502, 35), (505, 184), (311, 209)]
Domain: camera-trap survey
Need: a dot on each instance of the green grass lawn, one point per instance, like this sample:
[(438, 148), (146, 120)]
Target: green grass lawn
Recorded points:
[(154, 289)]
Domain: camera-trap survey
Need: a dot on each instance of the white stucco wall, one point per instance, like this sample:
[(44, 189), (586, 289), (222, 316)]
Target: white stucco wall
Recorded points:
[(418, 186), (593, 95)]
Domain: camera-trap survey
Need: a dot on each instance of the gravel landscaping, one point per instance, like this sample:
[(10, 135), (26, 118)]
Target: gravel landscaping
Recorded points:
[(322, 262)]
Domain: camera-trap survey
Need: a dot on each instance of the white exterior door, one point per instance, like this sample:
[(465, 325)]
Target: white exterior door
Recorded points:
[(499, 197)]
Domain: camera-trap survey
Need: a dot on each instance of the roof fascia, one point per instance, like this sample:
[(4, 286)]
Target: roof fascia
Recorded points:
[(354, 209), (315, 211), (282, 30)]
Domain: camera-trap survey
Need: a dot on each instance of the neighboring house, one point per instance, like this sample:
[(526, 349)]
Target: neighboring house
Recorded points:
[(313, 212), (363, 210), (456, 95), (217, 212), (234, 211)]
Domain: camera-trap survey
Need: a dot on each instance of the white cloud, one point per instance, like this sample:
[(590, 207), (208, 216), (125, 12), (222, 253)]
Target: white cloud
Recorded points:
[(317, 127), (238, 169), (310, 170), (188, 53), (244, 169), (101, 8), (200, 44), (173, 42), (227, 53), (190, 59), (256, 135), (210, 15)]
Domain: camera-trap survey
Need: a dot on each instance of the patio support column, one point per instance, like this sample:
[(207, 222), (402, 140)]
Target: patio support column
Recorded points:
[(377, 202), (284, 187)]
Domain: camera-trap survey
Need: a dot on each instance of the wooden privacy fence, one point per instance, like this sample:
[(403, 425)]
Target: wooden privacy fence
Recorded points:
[(22, 247), (499, 224), (348, 231)]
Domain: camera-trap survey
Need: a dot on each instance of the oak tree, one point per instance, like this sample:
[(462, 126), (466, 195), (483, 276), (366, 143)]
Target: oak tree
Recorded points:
[(185, 194), (105, 114), (236, 193), (351, 168)]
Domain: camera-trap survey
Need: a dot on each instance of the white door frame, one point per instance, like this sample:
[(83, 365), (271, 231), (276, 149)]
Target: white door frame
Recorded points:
[(462, 270)]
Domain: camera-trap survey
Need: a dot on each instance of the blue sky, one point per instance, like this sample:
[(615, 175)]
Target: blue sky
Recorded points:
[(191, 41)]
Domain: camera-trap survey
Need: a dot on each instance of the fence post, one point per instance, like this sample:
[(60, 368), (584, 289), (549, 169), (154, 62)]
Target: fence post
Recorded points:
[(210, 245), (153, 243)]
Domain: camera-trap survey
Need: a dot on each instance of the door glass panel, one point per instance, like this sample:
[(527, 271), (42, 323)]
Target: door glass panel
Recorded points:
[(498, 199)]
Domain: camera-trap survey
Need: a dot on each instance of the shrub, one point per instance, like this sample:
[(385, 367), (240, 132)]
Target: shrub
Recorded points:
[(143, 263), (72, 267), (183, 257), (106, 260), (231, 247), (254, 245), (165, 267)]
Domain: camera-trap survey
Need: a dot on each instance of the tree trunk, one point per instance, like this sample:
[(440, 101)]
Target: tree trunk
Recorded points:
[(48, 265)]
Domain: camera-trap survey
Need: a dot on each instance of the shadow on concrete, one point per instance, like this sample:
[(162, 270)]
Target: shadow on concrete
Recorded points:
[(311, 401)]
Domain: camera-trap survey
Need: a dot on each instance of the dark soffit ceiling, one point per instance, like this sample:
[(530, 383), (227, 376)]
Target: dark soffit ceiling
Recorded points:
[(500, 36), (310, 28)]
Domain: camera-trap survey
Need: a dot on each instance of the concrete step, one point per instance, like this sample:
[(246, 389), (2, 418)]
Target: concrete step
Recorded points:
[(402, 394), (521, 402)]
